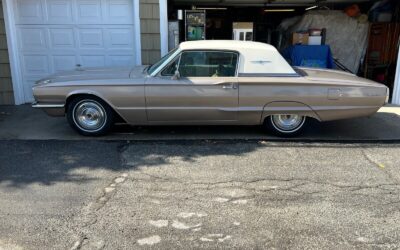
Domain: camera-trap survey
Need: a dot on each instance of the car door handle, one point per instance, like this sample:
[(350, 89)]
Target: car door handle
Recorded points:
[(229, 86)]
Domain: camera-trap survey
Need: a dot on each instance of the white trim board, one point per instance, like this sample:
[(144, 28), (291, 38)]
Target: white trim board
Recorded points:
[(12, 44), (163, 4), (396, 85), (138, 42)]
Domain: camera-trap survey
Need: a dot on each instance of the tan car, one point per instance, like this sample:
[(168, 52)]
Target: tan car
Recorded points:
[(209, 83)]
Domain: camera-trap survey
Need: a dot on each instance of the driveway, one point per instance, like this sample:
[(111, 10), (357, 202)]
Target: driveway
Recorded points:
[(198, 194)]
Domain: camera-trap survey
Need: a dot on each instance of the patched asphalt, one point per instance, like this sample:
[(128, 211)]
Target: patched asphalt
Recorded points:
[(198, 194)]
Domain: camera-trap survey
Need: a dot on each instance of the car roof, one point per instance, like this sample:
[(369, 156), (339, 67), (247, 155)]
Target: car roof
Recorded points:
[(226, 45), (257, 58)]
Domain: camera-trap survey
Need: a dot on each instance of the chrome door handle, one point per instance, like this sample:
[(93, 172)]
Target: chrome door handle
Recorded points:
[(229, 86)]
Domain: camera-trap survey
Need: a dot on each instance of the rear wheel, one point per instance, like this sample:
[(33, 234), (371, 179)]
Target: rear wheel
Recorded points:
[(286, 125), (90, 116)]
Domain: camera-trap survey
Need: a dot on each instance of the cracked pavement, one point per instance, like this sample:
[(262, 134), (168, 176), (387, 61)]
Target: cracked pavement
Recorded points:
[(198, 194)]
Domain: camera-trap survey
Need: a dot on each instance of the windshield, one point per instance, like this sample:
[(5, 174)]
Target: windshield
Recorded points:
[(155, 66)]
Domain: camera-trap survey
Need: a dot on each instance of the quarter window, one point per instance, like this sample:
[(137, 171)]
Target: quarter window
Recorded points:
[(171, 68), (208, 64)]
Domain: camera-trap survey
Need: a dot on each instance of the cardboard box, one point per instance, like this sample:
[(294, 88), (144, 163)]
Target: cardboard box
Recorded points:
[(300, 38), (315, 40)]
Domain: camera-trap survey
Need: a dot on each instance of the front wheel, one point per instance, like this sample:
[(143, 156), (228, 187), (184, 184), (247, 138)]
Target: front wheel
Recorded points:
[(90, 116), (286, 125)]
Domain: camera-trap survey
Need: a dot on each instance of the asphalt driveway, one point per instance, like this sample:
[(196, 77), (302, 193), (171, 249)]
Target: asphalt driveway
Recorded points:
[(198, 194)]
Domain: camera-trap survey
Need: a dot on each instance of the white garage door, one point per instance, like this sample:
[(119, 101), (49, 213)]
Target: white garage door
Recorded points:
[(58, 35)]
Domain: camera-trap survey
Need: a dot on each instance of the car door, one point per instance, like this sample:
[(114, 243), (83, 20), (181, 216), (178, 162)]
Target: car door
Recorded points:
[(206, 91)]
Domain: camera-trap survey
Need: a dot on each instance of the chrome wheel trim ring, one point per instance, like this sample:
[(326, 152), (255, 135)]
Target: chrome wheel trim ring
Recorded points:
[(89, 115), (287, 123)]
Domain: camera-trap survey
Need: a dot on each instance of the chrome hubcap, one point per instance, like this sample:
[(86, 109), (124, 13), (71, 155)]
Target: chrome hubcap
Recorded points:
[(89, 115), (287, 122)]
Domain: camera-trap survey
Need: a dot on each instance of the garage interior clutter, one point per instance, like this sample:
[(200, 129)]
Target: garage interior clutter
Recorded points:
[(361, 37)]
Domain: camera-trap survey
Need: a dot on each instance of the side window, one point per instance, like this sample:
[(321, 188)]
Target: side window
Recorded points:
[(171, 68), (208, 64)]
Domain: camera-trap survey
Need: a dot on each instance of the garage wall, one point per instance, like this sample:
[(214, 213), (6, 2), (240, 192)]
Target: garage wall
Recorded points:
[(150, 31), (6, 88)]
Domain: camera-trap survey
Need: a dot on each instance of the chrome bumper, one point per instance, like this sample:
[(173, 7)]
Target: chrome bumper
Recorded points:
[(50, 108)]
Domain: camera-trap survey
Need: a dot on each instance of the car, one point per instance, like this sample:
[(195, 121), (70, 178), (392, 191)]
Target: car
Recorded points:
[(209, 83)]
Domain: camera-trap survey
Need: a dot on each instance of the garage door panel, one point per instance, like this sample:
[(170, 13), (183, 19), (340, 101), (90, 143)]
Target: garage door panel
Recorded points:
[(74, 11), (64, 62), (29, 11), (35, 65), (62, 38), (93, 60), (120, 38), (59, 11), (91, 38), (118, 12), (32, 38), (121, 60), (89, 12)]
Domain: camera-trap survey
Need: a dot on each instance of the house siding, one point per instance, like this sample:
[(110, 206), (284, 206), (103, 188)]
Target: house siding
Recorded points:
[(150, 31), (6, 88)]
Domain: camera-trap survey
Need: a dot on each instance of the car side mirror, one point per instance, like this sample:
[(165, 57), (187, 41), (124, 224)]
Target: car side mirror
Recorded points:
[(176, 75)]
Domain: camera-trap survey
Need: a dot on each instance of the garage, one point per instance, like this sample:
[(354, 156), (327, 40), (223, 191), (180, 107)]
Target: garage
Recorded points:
[(358, 36), (57, 35)]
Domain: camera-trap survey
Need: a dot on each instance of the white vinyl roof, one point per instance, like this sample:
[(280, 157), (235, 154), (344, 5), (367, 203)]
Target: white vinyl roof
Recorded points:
[(225, 44), (255, 57), (260, 2)]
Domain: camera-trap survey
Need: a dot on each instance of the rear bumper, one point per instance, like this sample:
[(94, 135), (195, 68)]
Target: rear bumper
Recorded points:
[(52, 109)]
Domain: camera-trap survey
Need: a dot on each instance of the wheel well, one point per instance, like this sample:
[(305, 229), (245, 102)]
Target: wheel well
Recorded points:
[(118, 118), (308, 118)]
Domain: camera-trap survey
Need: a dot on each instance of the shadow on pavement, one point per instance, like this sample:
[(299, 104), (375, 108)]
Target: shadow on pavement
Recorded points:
[(48, 162)]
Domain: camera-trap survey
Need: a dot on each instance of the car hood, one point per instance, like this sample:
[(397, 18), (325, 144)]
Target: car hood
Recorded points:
[(97, 73), (337, 77)]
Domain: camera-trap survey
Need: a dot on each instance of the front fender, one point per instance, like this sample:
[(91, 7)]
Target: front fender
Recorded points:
[(89, 92), (288, 107)]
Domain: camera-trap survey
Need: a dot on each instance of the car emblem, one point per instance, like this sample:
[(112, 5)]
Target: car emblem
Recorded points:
[(261, 62)]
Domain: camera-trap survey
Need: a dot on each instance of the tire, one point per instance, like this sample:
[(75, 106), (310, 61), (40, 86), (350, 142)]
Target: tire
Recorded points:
[(286, 125), (90, 116)]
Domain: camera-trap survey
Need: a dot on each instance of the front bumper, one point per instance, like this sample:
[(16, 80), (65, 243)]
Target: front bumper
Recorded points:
[(52, 109)]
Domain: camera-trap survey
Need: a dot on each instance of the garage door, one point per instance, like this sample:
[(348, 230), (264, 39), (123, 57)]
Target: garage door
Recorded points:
[(59, 35)]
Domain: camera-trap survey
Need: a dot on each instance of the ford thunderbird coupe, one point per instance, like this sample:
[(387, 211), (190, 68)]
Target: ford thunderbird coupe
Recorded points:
[(208, 83)]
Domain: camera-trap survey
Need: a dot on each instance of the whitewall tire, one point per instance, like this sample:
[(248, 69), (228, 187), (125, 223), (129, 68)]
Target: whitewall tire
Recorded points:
[(286, 125), (90, 116)]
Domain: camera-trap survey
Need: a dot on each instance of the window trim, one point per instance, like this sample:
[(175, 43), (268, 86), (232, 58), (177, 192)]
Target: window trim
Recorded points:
[(169, 64), (203, 50)]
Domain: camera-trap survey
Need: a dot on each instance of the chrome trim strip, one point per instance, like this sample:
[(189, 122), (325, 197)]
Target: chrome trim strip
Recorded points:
[(38, 105), (269, 75), (166, 63)]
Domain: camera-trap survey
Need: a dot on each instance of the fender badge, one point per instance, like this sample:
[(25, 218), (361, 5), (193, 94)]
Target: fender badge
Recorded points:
[(261, 62)]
